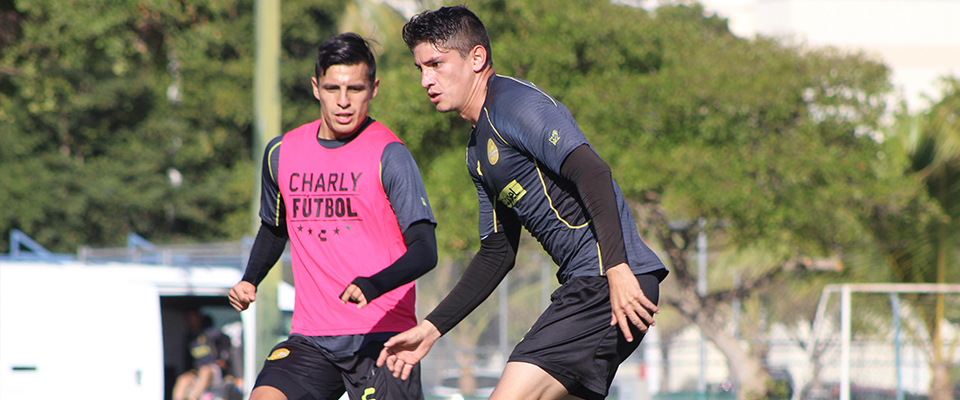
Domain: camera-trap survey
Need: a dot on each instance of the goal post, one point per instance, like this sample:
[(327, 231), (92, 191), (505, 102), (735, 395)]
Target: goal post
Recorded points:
[(846, 291)]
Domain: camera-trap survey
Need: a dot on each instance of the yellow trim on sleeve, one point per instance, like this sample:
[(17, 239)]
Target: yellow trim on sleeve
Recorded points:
[(279, 200), (276, 179), (600, 258), (543, 185), (487, 113)]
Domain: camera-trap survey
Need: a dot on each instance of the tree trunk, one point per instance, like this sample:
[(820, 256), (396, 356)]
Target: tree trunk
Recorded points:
[(665, 342), (678, 244), (467, 382), (814, 387), (940, 384), (745, 369)]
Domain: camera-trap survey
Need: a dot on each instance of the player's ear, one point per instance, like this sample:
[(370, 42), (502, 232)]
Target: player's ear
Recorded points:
[(478, 58), (374, 87), (316, 87)]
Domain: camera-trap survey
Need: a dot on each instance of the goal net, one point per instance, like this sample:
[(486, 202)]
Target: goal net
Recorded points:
[(876, 341)]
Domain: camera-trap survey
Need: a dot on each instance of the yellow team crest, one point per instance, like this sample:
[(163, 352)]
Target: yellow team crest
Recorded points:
[(278, 354), (493, 153)]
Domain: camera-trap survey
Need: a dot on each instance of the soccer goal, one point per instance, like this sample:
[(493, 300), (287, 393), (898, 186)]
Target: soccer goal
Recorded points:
[(876, 341)]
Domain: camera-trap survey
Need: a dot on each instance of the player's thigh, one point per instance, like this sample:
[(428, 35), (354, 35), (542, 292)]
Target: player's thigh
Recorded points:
[(521, 381), (573, 340), (300, 371), (267, 393), (186, 378), (365, 381)]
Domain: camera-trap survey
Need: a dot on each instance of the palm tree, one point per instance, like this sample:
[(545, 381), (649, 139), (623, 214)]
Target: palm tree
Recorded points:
[(919, 242)]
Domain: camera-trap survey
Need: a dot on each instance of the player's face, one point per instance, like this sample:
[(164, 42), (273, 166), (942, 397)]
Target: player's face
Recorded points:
[(344, 93), (446, 76)]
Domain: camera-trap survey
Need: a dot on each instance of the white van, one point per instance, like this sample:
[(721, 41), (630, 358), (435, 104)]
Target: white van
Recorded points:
[(111, 331)]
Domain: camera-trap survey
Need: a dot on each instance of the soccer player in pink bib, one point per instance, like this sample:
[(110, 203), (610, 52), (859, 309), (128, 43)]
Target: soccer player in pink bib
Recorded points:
[(347, 194)]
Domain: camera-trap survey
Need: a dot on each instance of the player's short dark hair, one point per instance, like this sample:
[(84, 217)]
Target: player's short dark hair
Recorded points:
[(346, 49), (449, 28), (206, 321)]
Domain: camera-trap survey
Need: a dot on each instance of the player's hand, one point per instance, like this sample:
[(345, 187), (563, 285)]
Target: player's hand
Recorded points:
[(242, 294), (401, 352), (629, 304), (353, 294)]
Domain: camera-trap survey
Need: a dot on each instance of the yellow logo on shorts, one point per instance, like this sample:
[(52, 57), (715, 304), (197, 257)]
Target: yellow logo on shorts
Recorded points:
[(368, 392), (493, 154), (278, 354)]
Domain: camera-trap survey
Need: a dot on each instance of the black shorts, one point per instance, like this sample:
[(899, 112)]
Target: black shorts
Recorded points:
[(573, 340), (302, 371)]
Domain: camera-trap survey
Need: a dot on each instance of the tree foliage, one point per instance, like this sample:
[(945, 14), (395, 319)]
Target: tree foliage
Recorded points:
[(135, 116), (775, 140), (918, 238), (774, 145)]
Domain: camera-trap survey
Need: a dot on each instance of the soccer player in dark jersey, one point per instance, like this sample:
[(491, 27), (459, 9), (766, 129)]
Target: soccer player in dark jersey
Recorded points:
[(534, 169), (347, 195), (207, 347)]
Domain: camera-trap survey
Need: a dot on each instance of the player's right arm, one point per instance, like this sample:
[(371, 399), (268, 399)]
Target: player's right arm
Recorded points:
[(403, 351), (266, 251), (487, 269), (272, 236)]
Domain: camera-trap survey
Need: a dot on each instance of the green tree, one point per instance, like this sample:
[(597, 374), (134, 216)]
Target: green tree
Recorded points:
[(110, 125), (135, 116), (771, 144), (918, 235)]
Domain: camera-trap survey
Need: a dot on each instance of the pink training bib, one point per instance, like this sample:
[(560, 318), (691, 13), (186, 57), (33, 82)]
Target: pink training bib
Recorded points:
[(341, 226)]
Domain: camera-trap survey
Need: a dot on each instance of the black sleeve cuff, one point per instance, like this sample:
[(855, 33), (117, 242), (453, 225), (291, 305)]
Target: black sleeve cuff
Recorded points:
[(420, 258)]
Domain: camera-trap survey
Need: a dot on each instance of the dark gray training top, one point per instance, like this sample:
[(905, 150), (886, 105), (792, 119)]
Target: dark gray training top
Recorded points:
[(514, 155)]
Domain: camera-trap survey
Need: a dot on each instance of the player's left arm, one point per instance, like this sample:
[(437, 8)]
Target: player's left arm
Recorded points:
[(407, 195), (548, 132), (420, 258), (538, 125), (594, 183), (543, 128)]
